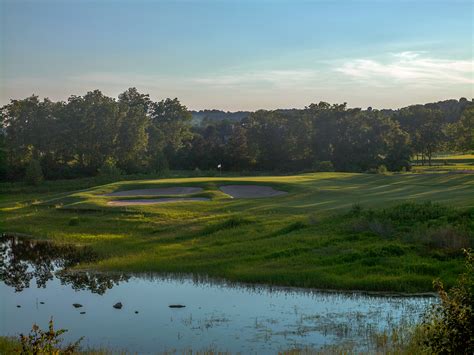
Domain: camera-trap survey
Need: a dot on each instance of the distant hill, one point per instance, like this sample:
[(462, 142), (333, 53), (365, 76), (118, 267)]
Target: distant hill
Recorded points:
[(217, 115), (452, 108)]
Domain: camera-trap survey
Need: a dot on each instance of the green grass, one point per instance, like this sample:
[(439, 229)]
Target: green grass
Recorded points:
[(9, 345), (304, 238), (447, 163), (12, 345)]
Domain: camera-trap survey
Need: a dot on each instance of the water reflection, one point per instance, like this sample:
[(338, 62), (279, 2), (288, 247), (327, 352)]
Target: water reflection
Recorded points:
[(219, 315), (24, 259)]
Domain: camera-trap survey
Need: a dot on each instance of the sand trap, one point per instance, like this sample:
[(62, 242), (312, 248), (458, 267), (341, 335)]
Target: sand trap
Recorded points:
[(154, 201), (162, 191), (251, 191)]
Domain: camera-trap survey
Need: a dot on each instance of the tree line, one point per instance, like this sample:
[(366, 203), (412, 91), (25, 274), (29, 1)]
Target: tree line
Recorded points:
[(94, 133)]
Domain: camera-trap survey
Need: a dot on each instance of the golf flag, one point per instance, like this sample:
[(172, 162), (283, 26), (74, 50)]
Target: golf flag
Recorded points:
[(219, 166)]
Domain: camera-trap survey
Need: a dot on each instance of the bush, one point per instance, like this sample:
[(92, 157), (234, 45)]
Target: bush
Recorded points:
[(382, 170), (448, 328), (74, 221), (109, 168), (34, 173), (381, 228), (46, 342), (446, 237), (323, 166), (356, 209)]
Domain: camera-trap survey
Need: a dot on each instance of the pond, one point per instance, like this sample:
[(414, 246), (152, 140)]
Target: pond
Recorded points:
[(35, 286)]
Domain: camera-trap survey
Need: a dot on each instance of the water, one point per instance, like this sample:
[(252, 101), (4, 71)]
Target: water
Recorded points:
[(217, 316)]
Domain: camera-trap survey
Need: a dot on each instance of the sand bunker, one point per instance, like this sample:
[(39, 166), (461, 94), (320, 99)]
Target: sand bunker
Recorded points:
[(162, 191), (251, 191), (154, 201)]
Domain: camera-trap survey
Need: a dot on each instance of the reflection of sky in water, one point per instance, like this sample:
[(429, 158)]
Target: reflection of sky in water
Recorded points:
[(217, 316)]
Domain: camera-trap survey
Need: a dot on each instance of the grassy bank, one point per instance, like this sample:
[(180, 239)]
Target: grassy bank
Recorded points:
[(311, 237)]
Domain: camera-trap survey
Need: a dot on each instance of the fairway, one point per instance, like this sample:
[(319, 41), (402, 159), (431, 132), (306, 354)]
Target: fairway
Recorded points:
[(301, 238)]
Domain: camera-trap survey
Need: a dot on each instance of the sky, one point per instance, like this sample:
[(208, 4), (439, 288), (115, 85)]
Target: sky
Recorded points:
[(240, 55)]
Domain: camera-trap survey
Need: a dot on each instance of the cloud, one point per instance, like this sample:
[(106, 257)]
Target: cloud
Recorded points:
[(397, 80), (256, 78), (410, 68)]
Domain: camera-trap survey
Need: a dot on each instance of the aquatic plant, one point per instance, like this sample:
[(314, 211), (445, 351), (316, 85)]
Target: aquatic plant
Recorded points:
[(46, 342), (448, 328)]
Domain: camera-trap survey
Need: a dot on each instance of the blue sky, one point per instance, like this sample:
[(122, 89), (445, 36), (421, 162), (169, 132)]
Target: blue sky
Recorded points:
[(240, 55)]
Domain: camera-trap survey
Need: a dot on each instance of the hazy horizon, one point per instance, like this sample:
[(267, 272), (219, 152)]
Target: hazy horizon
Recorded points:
[(240, 55)]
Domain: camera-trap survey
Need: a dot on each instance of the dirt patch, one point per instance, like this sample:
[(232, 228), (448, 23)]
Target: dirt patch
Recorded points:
[(251, 191), (162, 191), (155, 201)]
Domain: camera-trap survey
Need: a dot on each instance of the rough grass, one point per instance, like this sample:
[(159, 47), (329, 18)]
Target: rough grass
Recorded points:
[(299, 239)]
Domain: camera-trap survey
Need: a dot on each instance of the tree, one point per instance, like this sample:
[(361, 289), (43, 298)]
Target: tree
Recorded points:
[(237, 149), (132, 137), (425, 127), (33, 174), (3, 152), (168, 129), (461, 133), (92, 123)]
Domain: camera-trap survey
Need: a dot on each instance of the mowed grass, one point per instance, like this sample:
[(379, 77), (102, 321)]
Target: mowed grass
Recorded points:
[(448, 163), (304, 238)]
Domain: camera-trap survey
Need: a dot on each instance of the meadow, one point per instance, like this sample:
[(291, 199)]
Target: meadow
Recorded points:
[(343, 231)]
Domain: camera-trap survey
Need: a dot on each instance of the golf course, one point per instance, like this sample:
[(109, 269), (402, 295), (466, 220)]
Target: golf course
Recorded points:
[(344, 231)]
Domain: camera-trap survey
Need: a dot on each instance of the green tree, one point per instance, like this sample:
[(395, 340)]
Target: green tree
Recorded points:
[(132, 137), (34, 173), (426, 129), (461, 133), (92, 124), (168, 130), (237, 149)]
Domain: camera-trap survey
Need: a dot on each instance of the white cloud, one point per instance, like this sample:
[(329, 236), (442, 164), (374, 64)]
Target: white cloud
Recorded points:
[(412, 68), (398, 80), (278, 78)]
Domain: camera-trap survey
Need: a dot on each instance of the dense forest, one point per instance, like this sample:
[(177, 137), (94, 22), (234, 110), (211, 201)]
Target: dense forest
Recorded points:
[(93, 134)]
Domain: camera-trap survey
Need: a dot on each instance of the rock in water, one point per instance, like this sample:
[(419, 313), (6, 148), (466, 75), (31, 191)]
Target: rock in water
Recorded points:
[(136, 312), (118, 305), (83, 312), (176, 306), (77, 305), (18, 306)]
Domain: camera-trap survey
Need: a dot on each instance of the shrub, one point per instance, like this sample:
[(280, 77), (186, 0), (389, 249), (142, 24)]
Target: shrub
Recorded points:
[(382, 170), (381, 228), (33, 173), (448, 328), (446, 237), (356, 209), (109, 168), (323, 166), (46, 342), (74, 221), (358, 225)]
